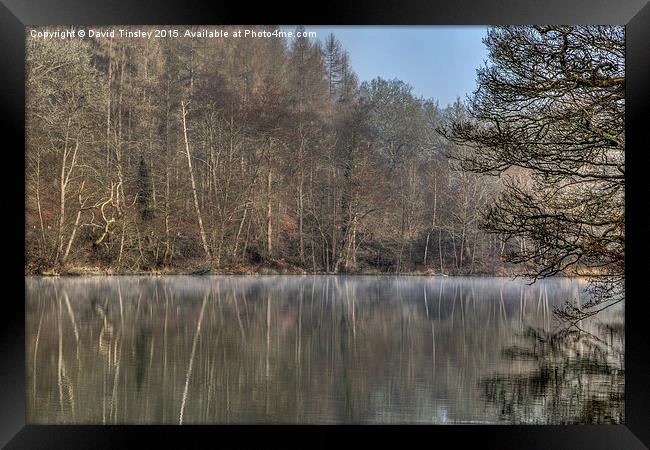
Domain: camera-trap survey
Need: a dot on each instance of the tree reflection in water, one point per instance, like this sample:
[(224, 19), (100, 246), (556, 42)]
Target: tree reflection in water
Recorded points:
[(321, 349), (578, 378)]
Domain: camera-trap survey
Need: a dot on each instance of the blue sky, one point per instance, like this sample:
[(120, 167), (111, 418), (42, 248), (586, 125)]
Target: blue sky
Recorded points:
[(440, 62)]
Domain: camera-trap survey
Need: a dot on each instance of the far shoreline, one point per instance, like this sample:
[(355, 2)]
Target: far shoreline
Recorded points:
[(85, 273)]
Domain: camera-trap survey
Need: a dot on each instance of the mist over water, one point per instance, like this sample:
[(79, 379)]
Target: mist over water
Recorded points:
[(317, 349)]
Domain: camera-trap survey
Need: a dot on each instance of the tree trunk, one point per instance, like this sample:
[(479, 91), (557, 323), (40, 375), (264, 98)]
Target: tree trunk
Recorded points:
[(426, 249), (62, 192), (239, 230), (442, 267), (76, 225), (72, 235), (38, 203), (108, 106), (269, 209), (194, 194), (300, 222)]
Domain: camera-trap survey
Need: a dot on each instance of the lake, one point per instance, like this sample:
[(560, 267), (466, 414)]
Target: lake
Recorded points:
[(317, 349)]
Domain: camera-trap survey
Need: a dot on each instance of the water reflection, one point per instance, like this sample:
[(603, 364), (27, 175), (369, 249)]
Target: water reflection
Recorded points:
[(578, 378), (321, 349)]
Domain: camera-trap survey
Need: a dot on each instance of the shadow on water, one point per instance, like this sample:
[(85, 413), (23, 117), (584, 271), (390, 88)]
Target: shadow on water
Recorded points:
[(316, 349)]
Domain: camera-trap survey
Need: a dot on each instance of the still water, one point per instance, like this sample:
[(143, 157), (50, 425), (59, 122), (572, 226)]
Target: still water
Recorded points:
[(317, 349)]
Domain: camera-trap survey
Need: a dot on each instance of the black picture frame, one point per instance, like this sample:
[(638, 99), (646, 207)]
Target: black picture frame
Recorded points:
[(15, 15)]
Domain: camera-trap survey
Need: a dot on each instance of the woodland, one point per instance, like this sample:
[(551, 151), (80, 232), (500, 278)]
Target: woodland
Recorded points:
[(269, 155)]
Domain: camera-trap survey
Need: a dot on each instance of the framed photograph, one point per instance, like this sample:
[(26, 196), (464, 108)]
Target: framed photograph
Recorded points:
[(412, 216)]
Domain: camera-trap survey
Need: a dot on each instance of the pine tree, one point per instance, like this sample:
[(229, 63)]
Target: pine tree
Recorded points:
[(144, 191)]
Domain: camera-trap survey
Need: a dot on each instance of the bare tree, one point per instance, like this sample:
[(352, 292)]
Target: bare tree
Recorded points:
[(549, 114)]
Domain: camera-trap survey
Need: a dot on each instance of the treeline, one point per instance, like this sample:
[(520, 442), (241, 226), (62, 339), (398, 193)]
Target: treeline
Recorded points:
[(183, 153)]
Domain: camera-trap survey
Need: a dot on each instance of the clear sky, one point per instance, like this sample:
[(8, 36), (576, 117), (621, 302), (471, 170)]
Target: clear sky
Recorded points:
[(440, 62)]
